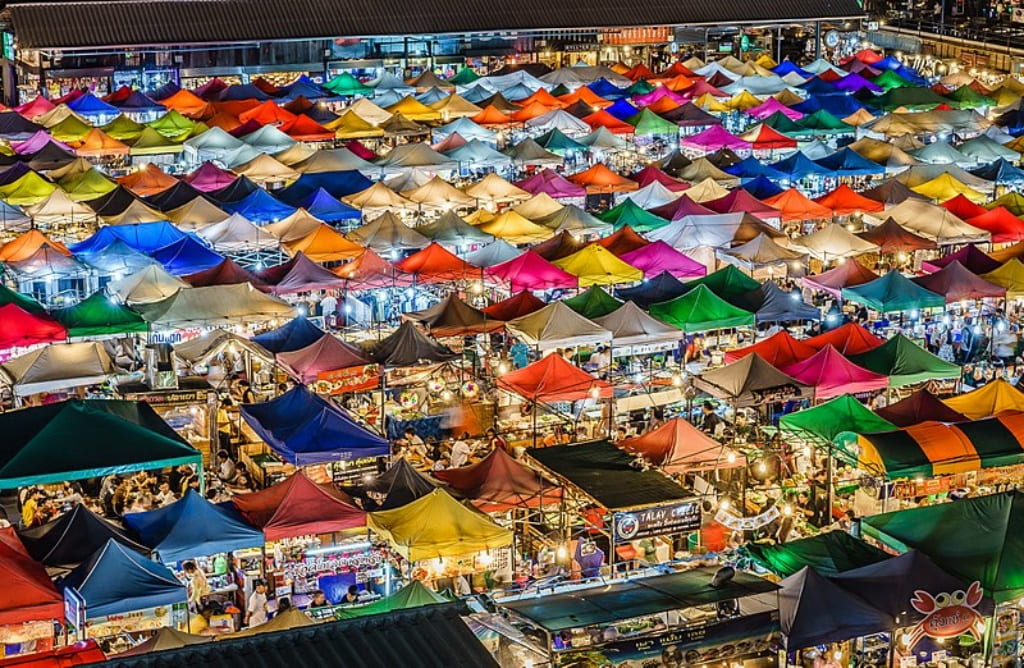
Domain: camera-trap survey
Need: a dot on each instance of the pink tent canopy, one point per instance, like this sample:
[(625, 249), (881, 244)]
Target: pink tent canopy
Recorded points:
[(651, 173), (657, 94), (657, 257), (831, 374), (38, 106), (740, 200), (328, 353), (684, 206), (848, 274), (769, 107), (37, 142), (530, 271), (552, 183), (714, 138), (209, 177), (702, 87), (956, 283)]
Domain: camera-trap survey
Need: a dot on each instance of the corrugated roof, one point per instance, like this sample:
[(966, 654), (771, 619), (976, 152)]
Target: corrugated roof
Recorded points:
[(97, 23)]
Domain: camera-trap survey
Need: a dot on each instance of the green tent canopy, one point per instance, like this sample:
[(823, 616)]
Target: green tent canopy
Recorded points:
[(153, 142), (464, 77), (640, 87), (827, 553), (123, 129), (913, 98), (905, 362), (78, 439), (346, 85), (839, 419), (413, 595), (966, 97), (593, 303), (648, 123), (893, 292), (24, 302), (890, 80), (784, 124), (728, 283), (979, 539), (558, 142), (823, 122), (173, 125), (701, 310), (99, 316), (630, 213)]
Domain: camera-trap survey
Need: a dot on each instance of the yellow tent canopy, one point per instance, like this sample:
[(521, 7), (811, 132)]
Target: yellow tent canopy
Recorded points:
[(997, 397), (378, 196), (493, 189), (516, 229), (708, 102), (538, 206), (414, 110), (26, 190), (455, 106), (71, 130), (742, 101), (944, 187), (351, 125), (596, 265), (436, 525), (1009, 276), (323, 244), (480, 216)]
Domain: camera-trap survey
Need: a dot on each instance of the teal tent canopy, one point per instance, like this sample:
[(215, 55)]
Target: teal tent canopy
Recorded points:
[(701, 310), (893, 292)]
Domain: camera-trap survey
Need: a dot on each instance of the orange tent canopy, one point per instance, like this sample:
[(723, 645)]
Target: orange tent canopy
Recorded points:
[(235, 107), (224, 121), (678, 83), (675, 70), (586, 96), (602, 119), (435, 263), (554, 379), (266, 114), (25, 245), (149, 180), (678, 447), (532, 110), (304, 128), (663, 105), (325, 245), (544, 97), (639, 71), (844, 200), (622, 241), (600, 179), (794, 205), (98, 142), (491, 115), (187, 103)]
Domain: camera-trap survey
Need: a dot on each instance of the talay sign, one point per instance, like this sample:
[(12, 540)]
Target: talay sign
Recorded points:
[(657, 521), (947, 615)]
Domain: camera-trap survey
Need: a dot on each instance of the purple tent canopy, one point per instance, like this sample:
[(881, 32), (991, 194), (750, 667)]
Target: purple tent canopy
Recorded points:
[(714, 138), (657, 94), (208, 177), (38, 142), (657, 257), (552, 183), (854, 82), (328, 353), (299, 274), (975, 260), (684, 206), (769, 107)]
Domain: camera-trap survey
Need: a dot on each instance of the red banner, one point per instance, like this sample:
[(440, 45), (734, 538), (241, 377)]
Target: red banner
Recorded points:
[(352, 379)]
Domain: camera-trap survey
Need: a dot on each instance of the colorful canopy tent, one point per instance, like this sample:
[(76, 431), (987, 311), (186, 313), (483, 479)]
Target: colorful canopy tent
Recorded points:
[(304, 429), (701, 310), (369, 271), (814, 611), (556, 326), (921, 406), (662, 288), (21, 328), (593, 302), (498, 480), (744, 381), (515, 229), (29, 595), (110, 437), (596, 265), (891, 237), (293, 335), (827, 553), (678, 447), (631, 326), (995, 398), (192, 527), (988, 545), (830, 375), (293, 618), (905, 362), (770, 303), (779, 350), (728, 283), (215, 305), (553, 379), (516, 306), (413, 595), (57, 367), (328, 353), (530, 271), (849, 339), (72, 538), (118, 581), (454, 317), (165, 638), (297, 506), (956, 283), (147, 285), (397, 487), (848, 273), (436, 526), (435, 264), (408, 346), (839, 420), (935, 222), (893, 292), (560, 246), (970, 256), (99, 316), (655, 258), (833, 242), (451, 230)]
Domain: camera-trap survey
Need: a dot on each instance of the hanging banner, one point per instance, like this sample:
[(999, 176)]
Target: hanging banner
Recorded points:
[(352, 379), (658, 521), (737, 523)]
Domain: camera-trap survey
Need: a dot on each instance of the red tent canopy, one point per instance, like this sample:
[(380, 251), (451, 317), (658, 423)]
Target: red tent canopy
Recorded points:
[(79, 654), (228, 272), (652, 173), (21, 328), (740, 200), (516, 306), (500, 479), (891, 237), (921, 406), (831, 374), (436, 264), (850, 339), (328, 353), (846, 274), (297, 506), (963, 208), (554, 379), (304, 128), (779, 350), (844, 200), (29, 595), (623, 241), (794, 205), (1004, 226), (956, 283), (639, 71), (676, 69), (602, 119), (764, 137), (679, 447), (370, 270)]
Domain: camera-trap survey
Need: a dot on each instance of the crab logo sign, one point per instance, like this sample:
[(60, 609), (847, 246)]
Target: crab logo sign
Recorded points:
[(947, 615)]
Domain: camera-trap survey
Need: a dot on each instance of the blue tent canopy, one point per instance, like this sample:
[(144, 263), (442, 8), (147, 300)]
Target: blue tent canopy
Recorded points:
[(305, 87), (799, 166), (294, 334), (751, 168), (761, 188), (90, 105), (143, 237), (138, 101), (787, 66), (818, 86), (1012, 122), (304, 428), (1000, 172), (117, 581), (337, 184), (192, 527), (622, 109), (606, 89), (321, 204), (116, 259), (259, 206), (808, 612), (661, 288), (847, 162), (771, 303), (186, 256), (839, 106)]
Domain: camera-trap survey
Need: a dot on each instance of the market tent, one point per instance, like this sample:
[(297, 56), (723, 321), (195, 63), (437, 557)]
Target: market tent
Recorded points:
[(593, 303), (701, 310), (297, 506), (556, 326), (215, 305), (678, 447), (658, 257), (29, 595), (518, 305), (849, 339), (304, 429), (328, 353), (815, 611), (744, 381), (596, 265), (830, 375), (935, 222), (25, 245), (57, 367), (995, 398), (893, 292), (833, 242), (400, 485), (413, 595), (552, 379), (970, 256), (891, 237), (921, 406), (19, 328), (770, 303), (116, 580), (192, 527), (560, 246), (148, 285), (848, 273), (436, 526), (779, 350), (166, 638), (408, 346), (98, 315), (630, 326), (454, 317), (515, 229), (956, 283), (322, 244), (844, 201), (500, 481), (989, 539), (214, 342), (662, 288), (827, 553), (72, 538), (836, 421), (369, 271), (905, 362), (728, 283), (296, 333), (435, 264), (530, 271), (571, 218), (452, 230)]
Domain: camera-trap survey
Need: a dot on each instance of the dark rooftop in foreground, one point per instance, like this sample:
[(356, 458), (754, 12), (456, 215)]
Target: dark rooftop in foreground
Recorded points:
[(120, 23)]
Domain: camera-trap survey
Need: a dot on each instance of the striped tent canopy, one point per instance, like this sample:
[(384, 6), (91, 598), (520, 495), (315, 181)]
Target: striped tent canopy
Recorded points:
[(934, 448)]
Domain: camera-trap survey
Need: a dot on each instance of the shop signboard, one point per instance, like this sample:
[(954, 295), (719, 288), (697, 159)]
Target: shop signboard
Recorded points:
[(74, 608), (673, 518), (352, 379), (947, 615)]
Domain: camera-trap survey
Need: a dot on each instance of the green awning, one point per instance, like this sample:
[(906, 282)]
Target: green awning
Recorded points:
[(827, 553), (173, 125), (99, 316), (24, 302), (593, 303), (413, 595), (701, 310), (840, 419), (893, 292), (630, 213), (647, 122), (347, 85), (905, 362), (728, 283)]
